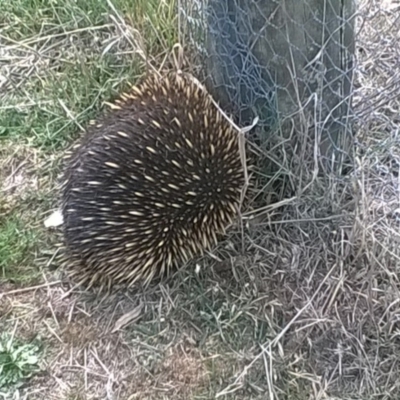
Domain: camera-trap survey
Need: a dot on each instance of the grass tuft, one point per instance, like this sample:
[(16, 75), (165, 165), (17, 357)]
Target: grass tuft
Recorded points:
[(18, 245)]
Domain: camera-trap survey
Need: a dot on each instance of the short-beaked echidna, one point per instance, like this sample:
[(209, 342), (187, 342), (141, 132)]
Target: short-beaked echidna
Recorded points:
[(151, 184)]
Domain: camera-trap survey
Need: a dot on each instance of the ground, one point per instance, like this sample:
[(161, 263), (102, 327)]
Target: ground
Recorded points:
[(302, 304)]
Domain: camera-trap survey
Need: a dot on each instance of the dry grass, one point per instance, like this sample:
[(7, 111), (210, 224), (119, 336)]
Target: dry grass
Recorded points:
[(301, 304)]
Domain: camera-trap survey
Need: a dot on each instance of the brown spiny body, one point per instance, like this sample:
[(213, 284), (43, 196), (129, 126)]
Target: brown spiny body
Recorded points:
[(150, 185)]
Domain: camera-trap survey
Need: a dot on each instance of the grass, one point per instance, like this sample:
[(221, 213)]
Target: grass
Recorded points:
[(309, 309), (78, 40), (17, 247)]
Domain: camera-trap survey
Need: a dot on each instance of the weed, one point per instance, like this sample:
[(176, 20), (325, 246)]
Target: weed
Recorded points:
[(18, 361)]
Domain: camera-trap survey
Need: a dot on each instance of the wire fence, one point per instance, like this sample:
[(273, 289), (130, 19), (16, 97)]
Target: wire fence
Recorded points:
[(315, 70), (296, 65)]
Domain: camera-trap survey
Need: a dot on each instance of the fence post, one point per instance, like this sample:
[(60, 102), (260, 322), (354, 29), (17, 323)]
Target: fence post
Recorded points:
[(276, 57)]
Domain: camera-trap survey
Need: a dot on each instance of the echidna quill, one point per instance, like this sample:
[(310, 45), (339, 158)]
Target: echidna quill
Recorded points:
[(152, 184)]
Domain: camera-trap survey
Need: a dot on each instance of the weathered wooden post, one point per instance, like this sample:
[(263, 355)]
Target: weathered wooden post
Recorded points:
[(285, 58)]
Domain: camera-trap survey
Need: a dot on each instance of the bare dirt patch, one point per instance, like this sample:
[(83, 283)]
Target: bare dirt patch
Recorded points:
[(84, 355)]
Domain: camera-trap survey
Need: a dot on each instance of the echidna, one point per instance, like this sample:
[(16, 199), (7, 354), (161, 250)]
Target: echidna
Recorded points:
[(151, 184)]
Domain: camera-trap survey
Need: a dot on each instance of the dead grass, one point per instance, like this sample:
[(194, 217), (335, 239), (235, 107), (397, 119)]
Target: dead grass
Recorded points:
[(302, 304), (17, 164)]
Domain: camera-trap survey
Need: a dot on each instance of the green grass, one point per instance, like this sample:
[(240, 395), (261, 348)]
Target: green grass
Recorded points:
[(154, 19), (48, 123), (18, 244), (85, 59)]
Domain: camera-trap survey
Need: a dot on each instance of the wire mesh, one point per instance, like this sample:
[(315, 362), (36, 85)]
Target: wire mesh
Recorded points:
[(336, 69), (290, 63)]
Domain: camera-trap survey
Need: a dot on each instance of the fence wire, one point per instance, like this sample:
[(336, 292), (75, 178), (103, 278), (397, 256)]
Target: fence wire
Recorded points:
[(319, 67), (291, 63)]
